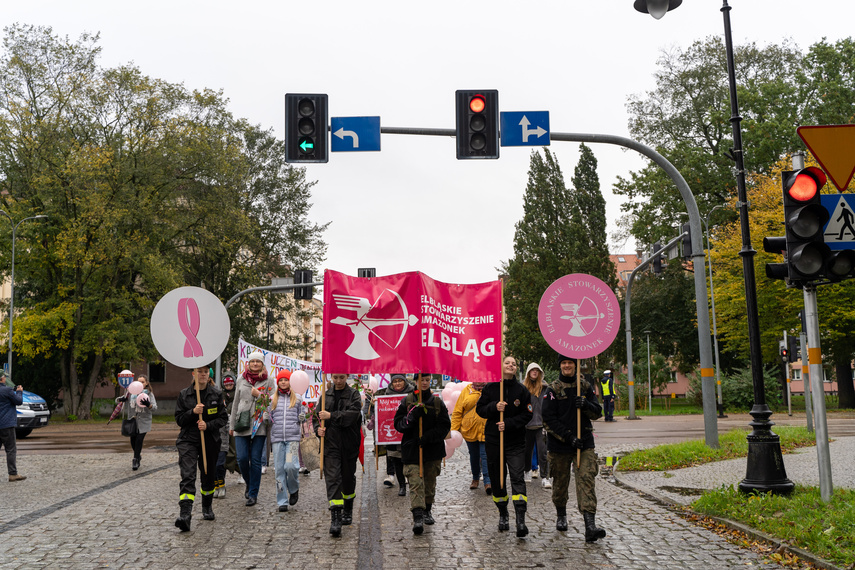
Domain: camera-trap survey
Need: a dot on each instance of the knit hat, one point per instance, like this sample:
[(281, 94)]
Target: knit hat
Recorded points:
[(397, 376), (283, 374), (256, 355), (562, 358), (228, 382)]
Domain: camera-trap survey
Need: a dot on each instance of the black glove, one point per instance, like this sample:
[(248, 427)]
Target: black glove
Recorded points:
[(577, 443), (418, 411), (122, 399), (581, 402)]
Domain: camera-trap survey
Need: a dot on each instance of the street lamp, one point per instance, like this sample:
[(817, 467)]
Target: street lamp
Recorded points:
[(12, 278), (649, 385), (765, 470), (714, 328)]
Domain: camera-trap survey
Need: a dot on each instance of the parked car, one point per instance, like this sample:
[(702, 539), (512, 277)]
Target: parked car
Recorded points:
[(32, 413)]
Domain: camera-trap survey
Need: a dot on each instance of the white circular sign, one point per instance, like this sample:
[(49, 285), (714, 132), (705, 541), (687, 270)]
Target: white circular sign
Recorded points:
[(190, 327)]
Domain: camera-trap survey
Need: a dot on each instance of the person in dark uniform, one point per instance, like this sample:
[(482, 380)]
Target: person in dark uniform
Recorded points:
[(607, 391), (559, 418), (342, 413), (427, 436), (516, 405), (212, 407)]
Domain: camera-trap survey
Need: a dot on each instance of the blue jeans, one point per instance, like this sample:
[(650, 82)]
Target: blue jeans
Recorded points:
[(286, 461), (478, 460), (248, 450)]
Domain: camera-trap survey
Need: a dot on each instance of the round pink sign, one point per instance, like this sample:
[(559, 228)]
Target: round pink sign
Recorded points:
[(579, 315)]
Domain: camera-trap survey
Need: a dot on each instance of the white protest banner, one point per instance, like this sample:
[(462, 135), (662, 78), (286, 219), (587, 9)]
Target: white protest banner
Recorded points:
[(274, 362)]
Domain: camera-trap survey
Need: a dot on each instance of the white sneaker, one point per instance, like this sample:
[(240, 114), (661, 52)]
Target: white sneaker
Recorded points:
[(241, 481), (528, 476), (389, 481), (546, 483), (263, 469), (222, 492), (534, 474)]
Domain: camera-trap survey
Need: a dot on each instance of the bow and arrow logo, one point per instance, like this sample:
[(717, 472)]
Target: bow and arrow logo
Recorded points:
[(362, 325), (576, 317)]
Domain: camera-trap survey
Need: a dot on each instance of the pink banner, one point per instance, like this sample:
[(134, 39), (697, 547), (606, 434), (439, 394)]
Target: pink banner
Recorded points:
[(384, 424), (409, 323)]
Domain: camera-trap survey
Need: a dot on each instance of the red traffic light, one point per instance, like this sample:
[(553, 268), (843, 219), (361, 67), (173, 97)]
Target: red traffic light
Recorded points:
[(805, 184), (477, 104)]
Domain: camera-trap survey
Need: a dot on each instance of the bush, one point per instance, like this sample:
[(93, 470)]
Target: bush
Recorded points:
[(737, 390)]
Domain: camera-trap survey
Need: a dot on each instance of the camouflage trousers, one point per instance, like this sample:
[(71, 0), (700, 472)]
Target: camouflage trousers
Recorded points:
[(422, 489), (560, 466)]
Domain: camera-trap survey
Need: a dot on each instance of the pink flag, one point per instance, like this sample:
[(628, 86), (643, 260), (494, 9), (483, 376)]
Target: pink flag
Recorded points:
[(411, 323)]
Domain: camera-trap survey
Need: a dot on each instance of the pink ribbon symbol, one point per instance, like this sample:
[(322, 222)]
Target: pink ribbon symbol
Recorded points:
[(189, 322)]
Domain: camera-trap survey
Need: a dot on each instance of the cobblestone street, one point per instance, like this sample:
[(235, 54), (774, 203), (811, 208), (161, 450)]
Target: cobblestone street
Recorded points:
[(92, 511)]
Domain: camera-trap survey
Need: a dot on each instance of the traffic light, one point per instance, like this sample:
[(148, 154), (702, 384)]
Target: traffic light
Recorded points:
[(366, 272), (303, 276), (687, 240), (785, 355), (804, 219), (777, 245), (657, 259), (306, 127), (793, 349), (477, 123)]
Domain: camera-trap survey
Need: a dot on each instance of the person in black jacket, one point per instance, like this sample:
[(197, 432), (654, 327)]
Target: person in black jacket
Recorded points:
[(189, 443), (342, 415), (424, 427), (516, 405), (560, 405)]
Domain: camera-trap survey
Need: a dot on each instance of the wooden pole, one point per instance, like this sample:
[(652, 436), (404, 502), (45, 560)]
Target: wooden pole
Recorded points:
[(578, 413), (501, 437), (421, 451), (323, 408), (201, 433)]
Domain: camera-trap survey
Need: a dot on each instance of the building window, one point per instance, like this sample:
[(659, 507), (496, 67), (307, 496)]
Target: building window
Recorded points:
[(156, 372), (621, 260), (797, 374), (673, 378)]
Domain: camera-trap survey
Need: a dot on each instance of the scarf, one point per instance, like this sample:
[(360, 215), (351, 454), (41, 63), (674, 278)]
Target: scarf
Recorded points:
[(254, 377), (282, 392)]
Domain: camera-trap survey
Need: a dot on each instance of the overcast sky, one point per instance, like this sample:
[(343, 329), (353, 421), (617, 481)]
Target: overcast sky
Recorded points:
[(413, 206)]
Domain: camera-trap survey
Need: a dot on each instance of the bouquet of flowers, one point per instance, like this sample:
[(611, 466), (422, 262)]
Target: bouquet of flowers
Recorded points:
[(262, 403)]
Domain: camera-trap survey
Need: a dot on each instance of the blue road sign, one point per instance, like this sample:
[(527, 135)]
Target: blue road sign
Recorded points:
[(354, 134), (525, 128), (839, 232)]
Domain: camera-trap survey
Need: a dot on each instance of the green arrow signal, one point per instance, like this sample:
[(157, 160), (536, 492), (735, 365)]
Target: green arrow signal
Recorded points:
[(306, 145)]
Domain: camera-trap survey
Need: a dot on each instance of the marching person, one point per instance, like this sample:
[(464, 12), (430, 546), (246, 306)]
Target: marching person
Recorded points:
[(427, 435), (465, 419), (142, 405), (213, 410), (10, 399), (515, 403), (227, 459), (607, 390), (534, 438), (253, 390), (285, 434), (342, 433), (394, 465), (559, 418)]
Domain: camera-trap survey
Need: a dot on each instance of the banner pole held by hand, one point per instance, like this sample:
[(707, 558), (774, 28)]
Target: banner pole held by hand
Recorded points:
[(201, 433)]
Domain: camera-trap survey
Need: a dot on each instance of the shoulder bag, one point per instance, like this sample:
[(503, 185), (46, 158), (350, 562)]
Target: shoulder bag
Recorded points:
[(129, 427)]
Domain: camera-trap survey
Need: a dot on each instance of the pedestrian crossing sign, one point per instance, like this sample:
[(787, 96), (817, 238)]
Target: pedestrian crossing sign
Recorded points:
[(839, 232)]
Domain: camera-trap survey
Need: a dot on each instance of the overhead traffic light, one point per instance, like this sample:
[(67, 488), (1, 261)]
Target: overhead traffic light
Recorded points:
[(366, 272), (657, 259), (687, 240), (303, 276), (306, 127), (477, 123), (804, 219)]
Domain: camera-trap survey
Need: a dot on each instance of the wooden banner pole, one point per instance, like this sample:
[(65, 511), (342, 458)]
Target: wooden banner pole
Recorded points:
[(578, 412), (323, 425), (201, 433)]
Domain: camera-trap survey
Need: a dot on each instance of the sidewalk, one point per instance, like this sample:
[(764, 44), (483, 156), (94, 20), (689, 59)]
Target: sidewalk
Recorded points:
[(683, 486)]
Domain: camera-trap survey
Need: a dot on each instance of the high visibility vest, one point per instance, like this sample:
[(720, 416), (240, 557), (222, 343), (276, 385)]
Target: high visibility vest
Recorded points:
[(606, 391)]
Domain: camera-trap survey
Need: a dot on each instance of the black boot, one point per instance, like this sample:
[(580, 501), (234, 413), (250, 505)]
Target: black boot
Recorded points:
[(207, 507), (335, 521), (418, 520), (561, 519), (185, 514), (402, 491), (504, 524), (522, 530), (428, 516), (592, 533), (347, 516)]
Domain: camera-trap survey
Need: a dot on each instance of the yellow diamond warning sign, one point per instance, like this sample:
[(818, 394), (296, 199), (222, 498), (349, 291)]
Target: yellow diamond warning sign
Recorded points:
[(833, 146)]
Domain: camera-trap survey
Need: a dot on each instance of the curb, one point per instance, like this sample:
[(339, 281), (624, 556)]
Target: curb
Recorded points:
[(733, 525)]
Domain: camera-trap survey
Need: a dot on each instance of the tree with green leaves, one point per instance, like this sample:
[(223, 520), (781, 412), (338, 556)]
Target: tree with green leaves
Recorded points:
[(147, 186), (562, 231)]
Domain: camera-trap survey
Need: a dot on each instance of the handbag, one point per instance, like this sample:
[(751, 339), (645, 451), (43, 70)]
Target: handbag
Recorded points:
[(129, 427), (310, 452), (243, 421)]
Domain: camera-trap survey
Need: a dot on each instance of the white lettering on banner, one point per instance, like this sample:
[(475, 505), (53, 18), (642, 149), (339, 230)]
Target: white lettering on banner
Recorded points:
[(449, 344)]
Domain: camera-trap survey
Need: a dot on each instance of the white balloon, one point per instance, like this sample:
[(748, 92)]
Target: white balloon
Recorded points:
[(136, 387)]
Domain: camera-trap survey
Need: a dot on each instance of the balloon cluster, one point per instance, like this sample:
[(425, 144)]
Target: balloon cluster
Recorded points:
[(454, 441), (451, 393)]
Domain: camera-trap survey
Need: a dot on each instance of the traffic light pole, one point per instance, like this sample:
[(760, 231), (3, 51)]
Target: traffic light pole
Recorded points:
[(815, 358), (806, 379), (266, 288)]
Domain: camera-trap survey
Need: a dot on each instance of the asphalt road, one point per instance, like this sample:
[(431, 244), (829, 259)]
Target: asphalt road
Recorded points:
[(58, 438)]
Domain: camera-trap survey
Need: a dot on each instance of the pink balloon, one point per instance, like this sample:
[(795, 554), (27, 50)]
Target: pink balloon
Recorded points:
[(373, 383), (460, 386), (456, 439), (453, 401), (299, 381), (446, 392), (448, 404), (136, 387), (142, 399), (449, 449)]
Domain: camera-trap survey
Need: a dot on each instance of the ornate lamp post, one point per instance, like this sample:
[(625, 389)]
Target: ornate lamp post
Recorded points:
[(765, 471), (12, 278)]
